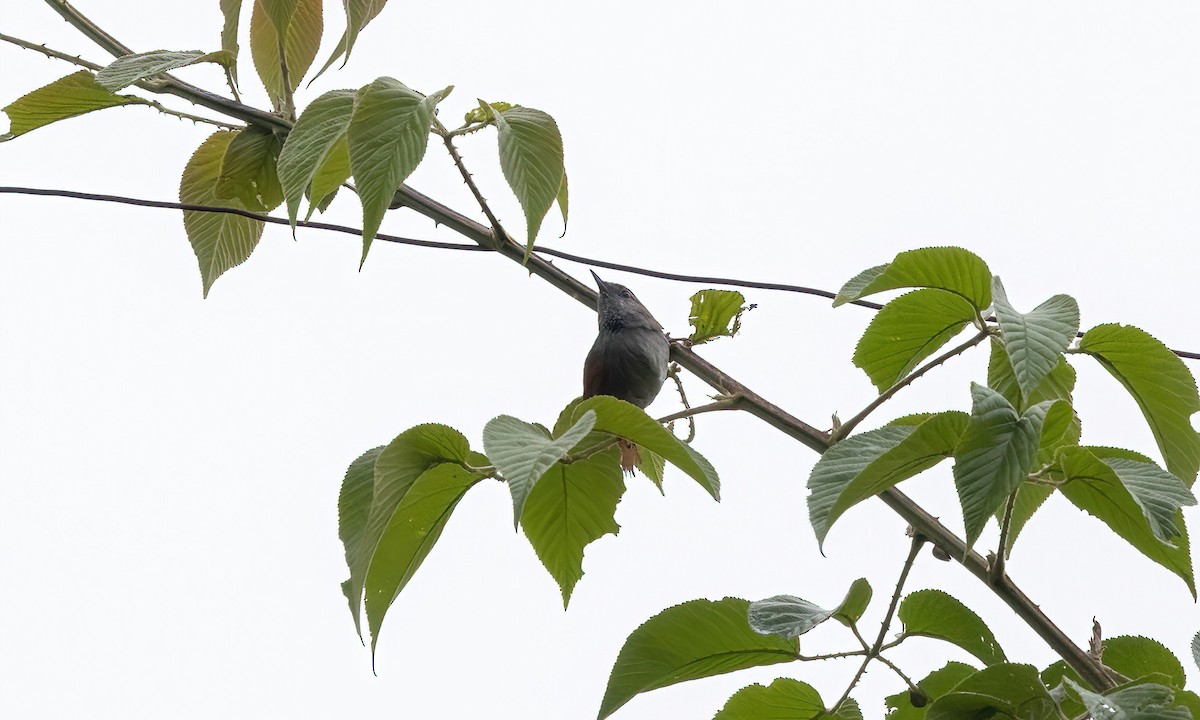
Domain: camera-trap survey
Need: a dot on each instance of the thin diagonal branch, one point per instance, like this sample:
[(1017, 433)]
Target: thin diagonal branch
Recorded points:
[(448, 140), (1005, 529), (873, 652), (884, 396), (50, 53), (76, 60)]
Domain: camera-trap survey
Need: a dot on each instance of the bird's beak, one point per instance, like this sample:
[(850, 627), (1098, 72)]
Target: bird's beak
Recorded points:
[(600, 284)]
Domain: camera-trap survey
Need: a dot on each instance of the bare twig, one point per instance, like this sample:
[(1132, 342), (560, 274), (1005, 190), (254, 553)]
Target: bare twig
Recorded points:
[(725, 403), (907, 681), (53, 54), (1005, 528), (673, 373), (448, 139), (884, 396), (873, 652), (831, 656)]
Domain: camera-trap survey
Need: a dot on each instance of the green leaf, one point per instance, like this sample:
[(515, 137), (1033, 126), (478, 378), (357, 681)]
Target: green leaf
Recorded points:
[(486, 112), (67, 97), (129, 69), (232, 12), (1030, 498), (697, 639), (1058, 385), (358, 14), (907, 330), (935, 685), (1005, 690), (318, 131), (1160, 383), (1060, 430), (398, 466), (1158, 493), (573, 505), (388, 136), (622, 419), (849, 710), (1035, 341), (994, 456), (935, 614), (303, 38), (280, 12), (248, 172), (716, 313), (531, 156), (1094, 486), (1136, 657), (855, 602), (653, 466), (562, 201), (523, 453), (786, 616), (410, 534), (864, 465), (220, 240), (783, 699), (949, 268), (1189, 700), (1196, 649), (354, 505), (333, 171)]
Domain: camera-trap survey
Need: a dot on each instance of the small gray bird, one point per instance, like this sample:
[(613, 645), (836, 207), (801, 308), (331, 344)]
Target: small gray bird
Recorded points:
[(629, 358)]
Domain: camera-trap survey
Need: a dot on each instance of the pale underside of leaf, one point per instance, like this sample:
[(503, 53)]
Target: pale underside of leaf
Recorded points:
[(523, 453), (129, 69), (1035, 341)]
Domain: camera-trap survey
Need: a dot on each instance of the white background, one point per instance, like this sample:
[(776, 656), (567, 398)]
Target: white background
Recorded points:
[(169, 467)]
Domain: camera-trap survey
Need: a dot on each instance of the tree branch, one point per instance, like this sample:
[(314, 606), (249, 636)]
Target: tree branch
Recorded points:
[(448, 140), (886, 395), (873, 652)]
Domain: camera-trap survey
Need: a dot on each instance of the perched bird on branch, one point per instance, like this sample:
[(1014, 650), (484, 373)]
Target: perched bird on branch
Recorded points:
[(629, 358)]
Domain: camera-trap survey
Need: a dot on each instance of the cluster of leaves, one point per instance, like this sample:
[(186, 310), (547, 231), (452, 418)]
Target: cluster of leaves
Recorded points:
[(376, 135), (1019, 444), (703, 638), (565, 484)]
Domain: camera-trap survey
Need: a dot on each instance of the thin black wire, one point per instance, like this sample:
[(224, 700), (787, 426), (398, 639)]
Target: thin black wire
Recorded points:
[(633, 269)]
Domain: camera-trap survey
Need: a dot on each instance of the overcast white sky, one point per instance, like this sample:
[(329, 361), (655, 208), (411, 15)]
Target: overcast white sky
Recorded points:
[(169, 466)]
